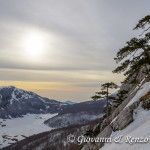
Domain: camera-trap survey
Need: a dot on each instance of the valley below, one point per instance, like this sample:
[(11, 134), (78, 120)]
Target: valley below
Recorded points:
[(15, 129)]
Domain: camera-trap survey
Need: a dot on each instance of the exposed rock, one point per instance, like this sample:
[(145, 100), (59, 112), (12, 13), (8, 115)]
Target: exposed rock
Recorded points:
[(124, 118), (131, 94), (126, 87), (141, 74)]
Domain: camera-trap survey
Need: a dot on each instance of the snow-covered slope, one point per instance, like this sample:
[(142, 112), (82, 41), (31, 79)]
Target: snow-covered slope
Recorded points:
[(139, 128), (141, 92), (15, 129)]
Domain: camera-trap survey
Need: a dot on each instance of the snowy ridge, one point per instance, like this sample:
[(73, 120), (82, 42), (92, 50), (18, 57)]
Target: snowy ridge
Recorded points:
[(16, 102)]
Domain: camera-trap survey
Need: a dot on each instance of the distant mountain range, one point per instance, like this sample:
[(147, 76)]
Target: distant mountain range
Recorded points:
[(16, 102), (69, 102)]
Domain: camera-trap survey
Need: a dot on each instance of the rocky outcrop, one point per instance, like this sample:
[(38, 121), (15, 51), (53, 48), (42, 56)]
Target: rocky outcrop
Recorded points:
[(131, 94), (142, 73), (124, 118)]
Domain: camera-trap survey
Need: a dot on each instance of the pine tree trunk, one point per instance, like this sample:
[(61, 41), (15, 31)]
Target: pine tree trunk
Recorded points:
[(107, 108), (147, 53)]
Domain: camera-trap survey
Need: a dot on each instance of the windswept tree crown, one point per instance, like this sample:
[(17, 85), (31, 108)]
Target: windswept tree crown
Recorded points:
[(136, 53)]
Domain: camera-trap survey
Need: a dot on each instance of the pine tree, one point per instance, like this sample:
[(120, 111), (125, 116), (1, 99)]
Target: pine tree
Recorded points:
[(136, 53), (120, 97), (104, 93)]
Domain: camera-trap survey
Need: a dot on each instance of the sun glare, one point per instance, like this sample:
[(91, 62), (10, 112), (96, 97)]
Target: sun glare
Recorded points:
[(34, 44)]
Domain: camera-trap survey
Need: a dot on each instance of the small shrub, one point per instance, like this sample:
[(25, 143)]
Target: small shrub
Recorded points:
[(146, 104), (145, 96), (92, 133)]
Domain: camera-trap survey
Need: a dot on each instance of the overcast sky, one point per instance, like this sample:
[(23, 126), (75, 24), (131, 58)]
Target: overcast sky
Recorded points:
[(64, 49)]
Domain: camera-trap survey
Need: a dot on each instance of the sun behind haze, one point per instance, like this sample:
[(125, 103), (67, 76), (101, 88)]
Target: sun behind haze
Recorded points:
[(64, 49)]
